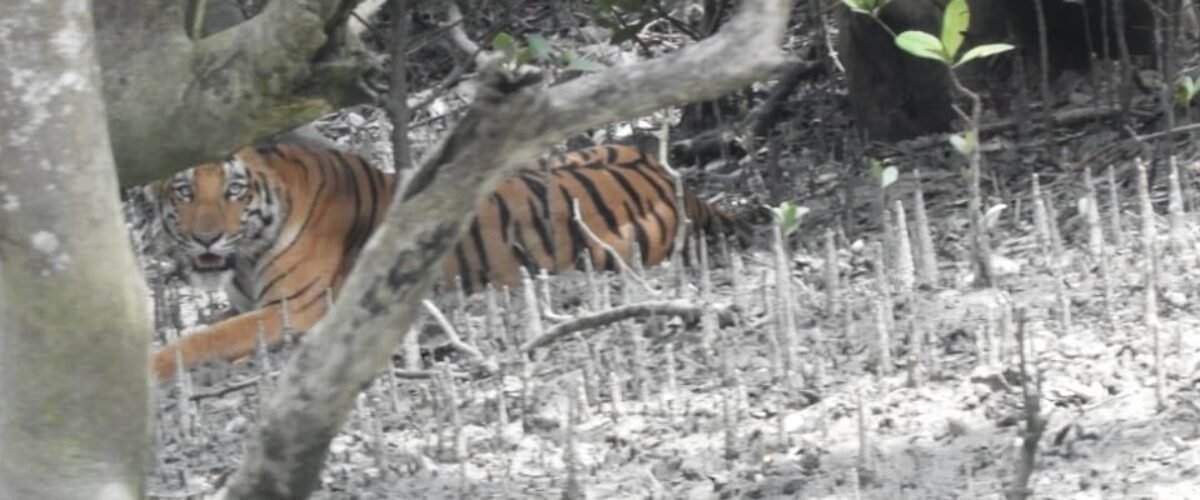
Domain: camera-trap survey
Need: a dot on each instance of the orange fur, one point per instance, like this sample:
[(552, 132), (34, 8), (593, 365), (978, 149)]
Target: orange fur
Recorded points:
[(624, 197)]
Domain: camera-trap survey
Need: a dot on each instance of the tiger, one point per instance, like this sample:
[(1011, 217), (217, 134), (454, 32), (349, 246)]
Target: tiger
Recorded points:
[(278, 228)]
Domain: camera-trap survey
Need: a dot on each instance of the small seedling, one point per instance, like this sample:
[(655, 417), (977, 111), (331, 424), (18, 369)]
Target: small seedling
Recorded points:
[(1186, 89), (886, 176), (788, 216), (964, 143)]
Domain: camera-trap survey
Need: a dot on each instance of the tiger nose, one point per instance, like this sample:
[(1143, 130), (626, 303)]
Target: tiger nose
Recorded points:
[(207, 238)]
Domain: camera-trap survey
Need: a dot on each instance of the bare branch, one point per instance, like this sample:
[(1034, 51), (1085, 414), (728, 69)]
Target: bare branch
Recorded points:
[(684, 308), (475, 357), (458, 34), (612, 252)]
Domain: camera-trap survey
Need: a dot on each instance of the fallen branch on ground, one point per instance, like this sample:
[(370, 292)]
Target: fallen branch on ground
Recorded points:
[(686, 309)]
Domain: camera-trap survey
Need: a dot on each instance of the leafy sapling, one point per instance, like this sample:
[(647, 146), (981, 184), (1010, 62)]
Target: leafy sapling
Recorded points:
[(788, 216), (956, 18)]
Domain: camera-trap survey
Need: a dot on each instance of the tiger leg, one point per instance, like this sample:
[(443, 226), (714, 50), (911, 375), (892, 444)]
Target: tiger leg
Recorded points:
[(233, 338)]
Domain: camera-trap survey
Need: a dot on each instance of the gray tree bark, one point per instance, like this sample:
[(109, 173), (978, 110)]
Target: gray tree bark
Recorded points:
[(173, 101), (510, 124), (74, 323)]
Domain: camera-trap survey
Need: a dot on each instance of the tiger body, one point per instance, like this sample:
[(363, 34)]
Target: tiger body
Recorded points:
[(280, 228)]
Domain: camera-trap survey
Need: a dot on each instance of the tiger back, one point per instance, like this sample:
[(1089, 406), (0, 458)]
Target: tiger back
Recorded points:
[(625, 198), (280, 227)]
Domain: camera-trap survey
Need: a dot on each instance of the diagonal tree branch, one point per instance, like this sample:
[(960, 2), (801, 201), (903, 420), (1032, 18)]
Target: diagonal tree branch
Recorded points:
[(509, 124)]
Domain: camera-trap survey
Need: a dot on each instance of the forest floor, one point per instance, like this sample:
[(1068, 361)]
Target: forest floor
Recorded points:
[(947, 421), (664, 408)]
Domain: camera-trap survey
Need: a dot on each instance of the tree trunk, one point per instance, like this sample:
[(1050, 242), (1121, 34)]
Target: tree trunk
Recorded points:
[(174, 102), (510, 123), (74, 322)]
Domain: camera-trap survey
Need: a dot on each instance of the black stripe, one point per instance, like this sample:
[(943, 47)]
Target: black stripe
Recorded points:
[(505, 216), (279, 152), (644, 170), (274, 281), (534, 184), (303, 226), (293, 296), (267, 220), (264, 187), (319, 298), (577, 238), (639, 233), (304, 172), (375, 183), (464, 270), (477, 242), (598, 201), (360, 229), (630, 191), (667, 234), (539, 227), (519, 252), (613, 153)]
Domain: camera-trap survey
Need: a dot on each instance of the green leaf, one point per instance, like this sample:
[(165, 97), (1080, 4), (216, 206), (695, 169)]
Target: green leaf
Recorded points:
[(889, 176), (859, 6), (579, 63), (922, 44), (539, 47), (985, 50), (1186, 89), (788, 216), (524, 56), (876, 168), (504, 43), (964, 143), (955, 21)]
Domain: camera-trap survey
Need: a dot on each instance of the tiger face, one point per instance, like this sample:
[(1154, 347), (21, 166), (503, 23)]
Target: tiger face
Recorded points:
[(218, 214)]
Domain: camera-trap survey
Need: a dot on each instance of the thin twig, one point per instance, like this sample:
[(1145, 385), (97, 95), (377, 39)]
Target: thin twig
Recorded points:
[(476, 357), (608, 248)]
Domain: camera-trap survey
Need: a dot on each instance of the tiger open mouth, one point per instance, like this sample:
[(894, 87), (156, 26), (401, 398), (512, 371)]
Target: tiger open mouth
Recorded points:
[(209, 262)]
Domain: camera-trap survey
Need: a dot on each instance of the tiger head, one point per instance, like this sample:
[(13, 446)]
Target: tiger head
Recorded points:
[(218, 213)]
